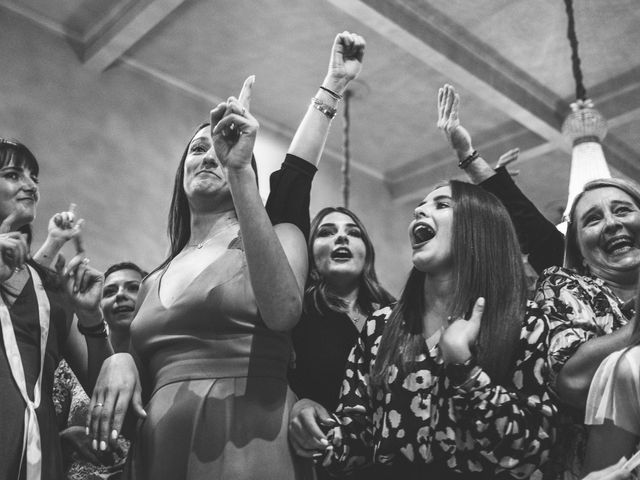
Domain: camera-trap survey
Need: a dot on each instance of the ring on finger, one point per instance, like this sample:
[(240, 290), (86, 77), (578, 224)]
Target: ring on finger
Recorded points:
[(98, 405)]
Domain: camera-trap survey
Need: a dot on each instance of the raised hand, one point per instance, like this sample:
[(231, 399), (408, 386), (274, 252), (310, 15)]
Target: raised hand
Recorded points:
[(117, 387), (14, 250), (63, 226), (345, 63), (82, 283), (234, 129), (508, 157), (449, 122), (458, 338)]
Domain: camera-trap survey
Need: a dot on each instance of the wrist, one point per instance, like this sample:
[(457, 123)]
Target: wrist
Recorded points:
[(462, 373), (89, 317), (335, 84), (464, 152)]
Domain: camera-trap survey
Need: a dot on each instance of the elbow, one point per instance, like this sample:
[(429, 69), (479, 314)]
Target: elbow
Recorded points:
[(286, 316), (573, 389)]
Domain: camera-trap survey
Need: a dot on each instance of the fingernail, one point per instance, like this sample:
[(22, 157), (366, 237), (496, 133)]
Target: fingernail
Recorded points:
[(114, 434), (94, 444), (86, 430), (103, 446), (324, 441)]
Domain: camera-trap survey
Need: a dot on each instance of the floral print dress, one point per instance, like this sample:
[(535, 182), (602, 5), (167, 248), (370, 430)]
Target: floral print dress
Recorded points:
[(578, 308), (486, 431)]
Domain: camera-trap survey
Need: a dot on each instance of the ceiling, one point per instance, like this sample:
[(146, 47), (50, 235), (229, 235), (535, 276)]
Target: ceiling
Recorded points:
[(509, 59)]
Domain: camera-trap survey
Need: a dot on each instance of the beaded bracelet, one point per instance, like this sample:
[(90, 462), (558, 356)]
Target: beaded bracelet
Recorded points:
[(327, 110), (467, 161)]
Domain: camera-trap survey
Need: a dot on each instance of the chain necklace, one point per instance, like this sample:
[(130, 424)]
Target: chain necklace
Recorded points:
[(207, 240)]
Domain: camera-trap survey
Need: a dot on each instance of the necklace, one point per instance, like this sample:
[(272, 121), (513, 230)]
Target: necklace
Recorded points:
[(207, 240)]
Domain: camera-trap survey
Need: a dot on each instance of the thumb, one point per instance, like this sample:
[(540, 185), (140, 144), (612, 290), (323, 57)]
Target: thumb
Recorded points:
[(6, 225), (245, 94), (476, 313), (136, 402), (323, 416)]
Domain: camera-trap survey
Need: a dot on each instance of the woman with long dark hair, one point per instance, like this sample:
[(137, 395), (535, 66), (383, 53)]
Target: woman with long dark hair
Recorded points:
[(342, 291), (211, 332), (447, 381), (39, 328)]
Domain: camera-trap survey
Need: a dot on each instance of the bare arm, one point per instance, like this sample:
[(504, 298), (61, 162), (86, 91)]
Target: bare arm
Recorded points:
[(63, 227), (574, 379), (277, 262), (345, 65)]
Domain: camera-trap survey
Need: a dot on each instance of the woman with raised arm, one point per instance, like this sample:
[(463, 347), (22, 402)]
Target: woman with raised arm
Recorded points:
[(211, 333), (37, 308), (539, 239), (291, 185), (589, 302), (444, 384)]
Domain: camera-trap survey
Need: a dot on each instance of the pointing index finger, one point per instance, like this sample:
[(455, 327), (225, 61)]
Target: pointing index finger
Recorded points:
[(6, 225), (245, 94)]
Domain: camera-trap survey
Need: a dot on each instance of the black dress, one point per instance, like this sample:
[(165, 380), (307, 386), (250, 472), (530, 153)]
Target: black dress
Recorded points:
[(25, 319)]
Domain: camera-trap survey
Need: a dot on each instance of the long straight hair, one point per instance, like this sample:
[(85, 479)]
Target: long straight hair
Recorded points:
[(318, 296), (486, 263)]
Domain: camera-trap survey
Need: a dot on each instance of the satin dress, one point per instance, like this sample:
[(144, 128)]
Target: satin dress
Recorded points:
[(219, 404)]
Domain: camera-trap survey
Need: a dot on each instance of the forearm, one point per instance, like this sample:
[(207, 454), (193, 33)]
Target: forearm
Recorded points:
[(512, 430), (574, 378), (310, 137), (98, 348), (48, 251), (276, 289), (538, 236)]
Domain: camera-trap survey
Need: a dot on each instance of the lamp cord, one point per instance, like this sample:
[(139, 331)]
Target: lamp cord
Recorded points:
[(581, 92), (347, 158)]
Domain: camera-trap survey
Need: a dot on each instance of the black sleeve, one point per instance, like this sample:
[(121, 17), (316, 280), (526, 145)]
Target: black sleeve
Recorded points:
[(290, 193), (538, 236)]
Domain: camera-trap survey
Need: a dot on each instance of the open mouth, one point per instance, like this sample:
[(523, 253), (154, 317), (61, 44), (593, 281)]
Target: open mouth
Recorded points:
[(123, 309), (618, 245), (422, 233), (341, 254)]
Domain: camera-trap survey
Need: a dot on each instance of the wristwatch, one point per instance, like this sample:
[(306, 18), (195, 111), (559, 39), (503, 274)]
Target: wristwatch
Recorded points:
[(461, 373)]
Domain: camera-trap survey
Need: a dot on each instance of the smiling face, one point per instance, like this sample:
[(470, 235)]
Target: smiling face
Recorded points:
[(18, 193), (203, 173), (339, 252), (608, 233), (119, 296), (431, 232)]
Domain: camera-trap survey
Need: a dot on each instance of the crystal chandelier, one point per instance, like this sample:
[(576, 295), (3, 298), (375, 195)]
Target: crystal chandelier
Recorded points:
[(584, 126)]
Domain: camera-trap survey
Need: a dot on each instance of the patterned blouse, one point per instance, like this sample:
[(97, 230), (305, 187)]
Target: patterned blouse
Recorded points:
[(71, 404), (578, 308), (488, 428)]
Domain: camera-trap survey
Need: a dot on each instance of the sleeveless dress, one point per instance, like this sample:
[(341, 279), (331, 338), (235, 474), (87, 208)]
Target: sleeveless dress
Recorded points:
[(219, 404)]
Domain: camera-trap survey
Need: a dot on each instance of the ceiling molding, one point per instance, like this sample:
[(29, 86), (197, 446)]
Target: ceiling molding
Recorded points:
[(42, 21), (275, 128), (448, 48), (113, 42)]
